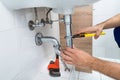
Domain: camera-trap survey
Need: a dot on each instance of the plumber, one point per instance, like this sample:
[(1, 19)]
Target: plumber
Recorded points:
[(82, 59)]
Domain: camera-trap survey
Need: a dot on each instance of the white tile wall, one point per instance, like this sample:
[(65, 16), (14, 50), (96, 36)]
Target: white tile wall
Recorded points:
[(20, 58)]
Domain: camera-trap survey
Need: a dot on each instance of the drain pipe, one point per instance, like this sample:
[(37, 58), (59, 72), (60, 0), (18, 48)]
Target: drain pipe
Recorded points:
[(68, 22), (69, 43)]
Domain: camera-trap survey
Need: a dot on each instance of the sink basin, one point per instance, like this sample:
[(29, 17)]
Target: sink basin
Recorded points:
[(58, 6)]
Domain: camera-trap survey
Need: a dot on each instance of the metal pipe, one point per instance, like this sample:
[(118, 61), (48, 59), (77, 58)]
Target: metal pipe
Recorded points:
[(36, 15), (53, 40), (68, 22), (69, 41), (39, 39)]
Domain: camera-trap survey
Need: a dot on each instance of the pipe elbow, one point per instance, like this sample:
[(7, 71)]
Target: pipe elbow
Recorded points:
[(39, 39)]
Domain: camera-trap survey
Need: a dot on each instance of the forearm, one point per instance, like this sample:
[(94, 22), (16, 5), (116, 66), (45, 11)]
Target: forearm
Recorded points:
[(108, 68), (111, 23)]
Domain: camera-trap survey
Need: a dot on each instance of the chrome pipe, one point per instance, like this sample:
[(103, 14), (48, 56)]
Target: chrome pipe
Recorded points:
[(39, 39), (68, 22)]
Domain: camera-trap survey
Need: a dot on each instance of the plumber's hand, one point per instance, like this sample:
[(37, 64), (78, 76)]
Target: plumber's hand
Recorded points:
[(97, 29), (77, 57)]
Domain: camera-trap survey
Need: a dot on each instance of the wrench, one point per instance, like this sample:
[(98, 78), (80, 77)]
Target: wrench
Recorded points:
[(65, 65)]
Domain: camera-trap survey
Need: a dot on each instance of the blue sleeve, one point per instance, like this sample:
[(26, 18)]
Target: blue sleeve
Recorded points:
[(117, 35)]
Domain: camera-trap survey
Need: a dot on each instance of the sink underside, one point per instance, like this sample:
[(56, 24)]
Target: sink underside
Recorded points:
[(56, 4)]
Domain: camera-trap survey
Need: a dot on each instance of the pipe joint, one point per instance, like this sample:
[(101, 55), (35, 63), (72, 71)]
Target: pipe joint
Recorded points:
[(40, 39)]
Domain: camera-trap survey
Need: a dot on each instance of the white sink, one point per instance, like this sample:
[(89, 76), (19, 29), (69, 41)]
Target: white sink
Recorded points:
[(58, 5)]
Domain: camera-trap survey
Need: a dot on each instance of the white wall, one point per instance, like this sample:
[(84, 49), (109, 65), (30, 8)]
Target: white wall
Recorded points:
[(20, 58), (105, 46)]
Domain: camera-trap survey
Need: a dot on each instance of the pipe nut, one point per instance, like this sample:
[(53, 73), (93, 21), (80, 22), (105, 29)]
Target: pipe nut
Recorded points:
[(38, 40)]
